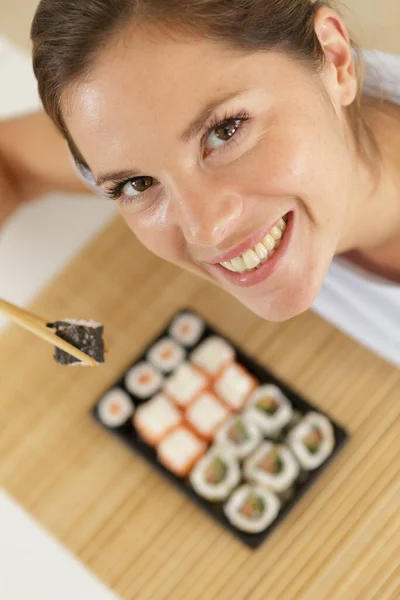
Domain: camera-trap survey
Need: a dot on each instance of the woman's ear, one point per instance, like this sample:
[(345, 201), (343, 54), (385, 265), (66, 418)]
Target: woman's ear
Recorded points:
[(339, 61)]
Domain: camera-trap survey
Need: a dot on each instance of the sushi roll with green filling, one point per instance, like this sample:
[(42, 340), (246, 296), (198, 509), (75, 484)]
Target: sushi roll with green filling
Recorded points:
[(187, 329), (239, 436), (269, 409), (143, 380), (272, 465), (115, 408), (252, 508), (215, 475), (87, 336), (312, 440)]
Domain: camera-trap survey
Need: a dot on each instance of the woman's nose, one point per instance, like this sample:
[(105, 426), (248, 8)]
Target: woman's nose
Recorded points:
[(207, 215)]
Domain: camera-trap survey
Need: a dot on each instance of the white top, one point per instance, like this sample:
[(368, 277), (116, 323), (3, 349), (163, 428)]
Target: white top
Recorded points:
[(364, 305)]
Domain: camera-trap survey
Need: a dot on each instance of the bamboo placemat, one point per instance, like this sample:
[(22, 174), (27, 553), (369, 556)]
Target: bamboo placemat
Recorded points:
[(136, 532)]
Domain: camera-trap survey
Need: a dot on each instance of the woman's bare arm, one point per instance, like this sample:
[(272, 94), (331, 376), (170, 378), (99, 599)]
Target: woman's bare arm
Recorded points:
[(34, 160)]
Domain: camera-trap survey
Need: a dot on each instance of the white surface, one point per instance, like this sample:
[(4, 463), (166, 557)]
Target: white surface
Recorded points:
[(42, 237), (34, 565)]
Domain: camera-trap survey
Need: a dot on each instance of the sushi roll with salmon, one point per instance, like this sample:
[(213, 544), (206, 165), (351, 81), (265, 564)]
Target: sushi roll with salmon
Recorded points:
[(215, 475), (87, 336), (205, 415), (234, 386), (239, 436), (143, 380), (154, 419), (312, 440), (115, 408), (180, 450), (269, 409), (252, 508), (185, 385), (212, 355), (187, 329), (166, 355), (272, 465)]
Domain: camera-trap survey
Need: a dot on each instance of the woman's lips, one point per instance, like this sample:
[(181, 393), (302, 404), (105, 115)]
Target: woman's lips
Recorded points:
[(261, 273)]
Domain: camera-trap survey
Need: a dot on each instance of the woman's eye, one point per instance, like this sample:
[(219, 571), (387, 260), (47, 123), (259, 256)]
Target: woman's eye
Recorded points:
[(137, 186), (222, 133)]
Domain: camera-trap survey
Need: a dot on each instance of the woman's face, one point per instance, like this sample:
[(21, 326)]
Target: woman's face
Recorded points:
[(237, 167)]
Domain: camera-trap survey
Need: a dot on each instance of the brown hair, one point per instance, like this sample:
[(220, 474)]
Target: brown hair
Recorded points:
[(67, 36)]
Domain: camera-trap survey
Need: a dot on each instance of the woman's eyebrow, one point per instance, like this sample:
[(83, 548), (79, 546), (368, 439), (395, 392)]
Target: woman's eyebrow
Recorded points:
[(116, 176), (197, 124)]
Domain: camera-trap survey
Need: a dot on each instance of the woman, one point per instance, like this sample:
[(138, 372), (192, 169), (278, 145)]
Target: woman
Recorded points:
[(232, 136)]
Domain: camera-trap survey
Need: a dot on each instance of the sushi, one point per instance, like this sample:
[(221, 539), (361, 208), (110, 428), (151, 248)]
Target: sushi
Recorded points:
[(212, 355), (252, 508), (115, 408), (166, 355), (272, 465), (156, 418), (185, 385), (205, 415), (143, 380), (239, 436), (187, 329), (180, 450), (312, 440), (234, 386), (269, 409), (87, 336), (215, 475)]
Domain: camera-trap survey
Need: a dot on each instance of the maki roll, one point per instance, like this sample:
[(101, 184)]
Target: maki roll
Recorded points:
[(215, 475), (87, 336), (234, 386), (213, 355), (115, 408), (143, 380), (205, 415), (312, 440), (185, 385), (272, 465), (269, 409), (156, 418), (166, 355), (187, 329), (252, 508), (239, 436), (180, 450)]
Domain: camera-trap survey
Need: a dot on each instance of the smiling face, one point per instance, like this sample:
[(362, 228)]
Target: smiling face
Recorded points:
[(217, 157)]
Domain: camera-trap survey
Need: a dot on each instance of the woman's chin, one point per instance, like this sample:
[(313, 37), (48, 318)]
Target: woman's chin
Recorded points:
[(284, 304)]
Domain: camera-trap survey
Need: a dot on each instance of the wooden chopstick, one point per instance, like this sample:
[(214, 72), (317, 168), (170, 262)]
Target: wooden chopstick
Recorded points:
[(38, 327)]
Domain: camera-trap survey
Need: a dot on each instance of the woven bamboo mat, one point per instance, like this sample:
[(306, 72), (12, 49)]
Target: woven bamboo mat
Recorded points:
[(137, 533)]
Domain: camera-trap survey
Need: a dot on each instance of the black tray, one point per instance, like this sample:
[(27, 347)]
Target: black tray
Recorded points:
[(130, 437)]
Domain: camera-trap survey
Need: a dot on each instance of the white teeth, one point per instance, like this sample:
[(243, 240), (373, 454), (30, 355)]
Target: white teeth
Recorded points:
[(269, 242), (250, 259), (281, 224), (261, 251), (254, 257), (227, 265), (238, 264), (276, 233)]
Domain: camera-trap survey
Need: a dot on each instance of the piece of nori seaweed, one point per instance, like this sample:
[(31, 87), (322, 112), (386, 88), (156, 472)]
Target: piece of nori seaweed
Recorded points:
[(85, 338)]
